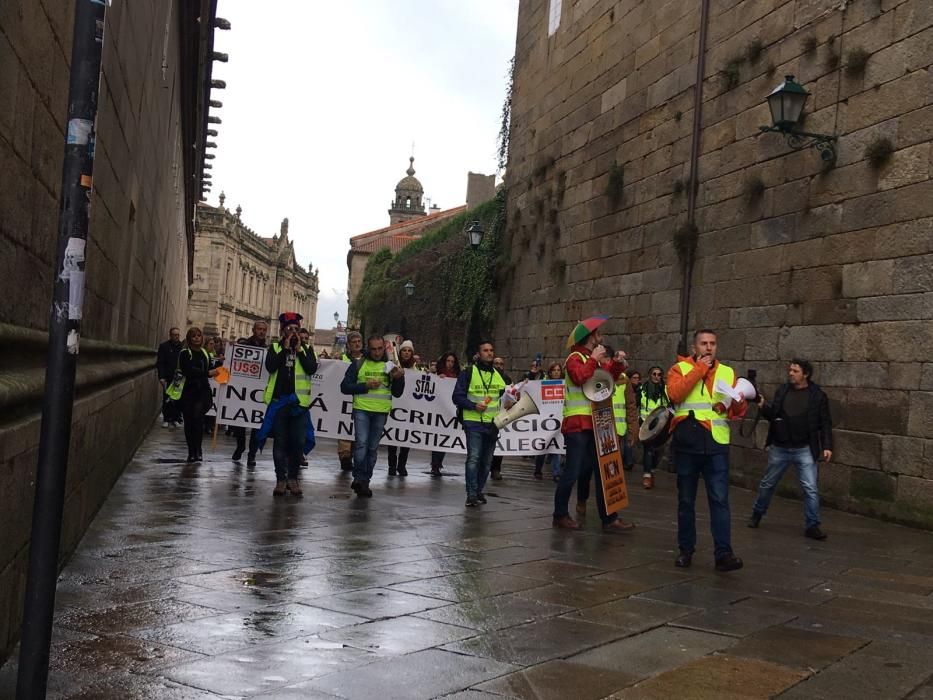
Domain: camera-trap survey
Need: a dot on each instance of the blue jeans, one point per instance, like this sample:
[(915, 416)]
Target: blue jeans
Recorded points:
[(367, 432), (650, 460), (715, 471), (555, 463), (779, 459), (480, 444), (580, 465)]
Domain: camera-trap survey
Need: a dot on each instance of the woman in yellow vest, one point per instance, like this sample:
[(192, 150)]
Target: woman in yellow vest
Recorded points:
[(700, 442), (288, 398), (652, 396), (372, 386)]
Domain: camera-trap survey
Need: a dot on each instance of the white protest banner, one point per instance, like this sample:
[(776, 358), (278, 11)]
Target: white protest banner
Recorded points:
[(424, 417), (239, 401)]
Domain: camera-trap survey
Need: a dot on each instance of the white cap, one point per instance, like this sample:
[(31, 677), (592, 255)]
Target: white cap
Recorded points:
[(407, 344)]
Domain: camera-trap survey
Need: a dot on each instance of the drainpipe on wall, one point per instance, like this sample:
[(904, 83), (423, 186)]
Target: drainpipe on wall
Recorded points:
[(692, 182)]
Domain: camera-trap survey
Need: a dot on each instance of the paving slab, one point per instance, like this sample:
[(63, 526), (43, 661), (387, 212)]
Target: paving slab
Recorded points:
[(879, 671), (654, 651), (424, 674), (796, 648), (557, 680), (538, 641), (717, 677), (194, 582)]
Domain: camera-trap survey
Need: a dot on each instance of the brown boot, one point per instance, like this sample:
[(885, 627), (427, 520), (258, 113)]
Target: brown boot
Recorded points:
[(566, 523), (618, 525), (581, 508), (279, 489), (294, 486)]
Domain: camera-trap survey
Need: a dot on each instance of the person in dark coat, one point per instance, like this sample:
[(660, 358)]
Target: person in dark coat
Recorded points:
[(196, 398), (166, 364), (256, 340), (800, 433)]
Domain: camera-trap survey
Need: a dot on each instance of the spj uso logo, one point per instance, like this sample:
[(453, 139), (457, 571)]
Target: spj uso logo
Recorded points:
[(424, 388)]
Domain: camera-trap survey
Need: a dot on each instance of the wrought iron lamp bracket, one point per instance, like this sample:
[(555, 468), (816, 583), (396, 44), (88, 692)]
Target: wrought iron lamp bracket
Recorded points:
[(799, 140)]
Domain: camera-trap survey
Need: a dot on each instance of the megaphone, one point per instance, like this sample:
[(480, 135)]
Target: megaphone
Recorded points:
[(600, 386), (525, 406)]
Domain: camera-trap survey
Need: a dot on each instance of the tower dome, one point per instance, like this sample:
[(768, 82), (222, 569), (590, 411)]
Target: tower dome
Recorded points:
[(408, 197)]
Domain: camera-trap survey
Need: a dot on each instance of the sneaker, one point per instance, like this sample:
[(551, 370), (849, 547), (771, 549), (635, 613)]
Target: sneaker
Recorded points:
[(393, 471), (566, 523), (648, 481), (303, 462), (279, 489), (753, 520), (684, 560), (191, 459), (471, 502), (481, 497), (363, 490), (814, 533), (435, 470), (251, 459), (730, 562), (581, 507), (294, 486), (402, 471), (237, 454)]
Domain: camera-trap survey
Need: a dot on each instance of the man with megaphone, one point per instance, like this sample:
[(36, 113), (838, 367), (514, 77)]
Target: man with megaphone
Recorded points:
[(477, 395), (586, 357), (700, 389)]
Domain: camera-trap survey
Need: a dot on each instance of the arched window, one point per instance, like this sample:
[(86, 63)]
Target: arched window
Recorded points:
[(408, 202)]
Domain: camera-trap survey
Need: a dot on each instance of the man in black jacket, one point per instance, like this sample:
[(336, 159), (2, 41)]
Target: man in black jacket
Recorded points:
[(801, 433), (166, 364)]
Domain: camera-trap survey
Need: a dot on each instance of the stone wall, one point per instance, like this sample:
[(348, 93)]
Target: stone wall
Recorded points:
[(137, 254), (833, 264)]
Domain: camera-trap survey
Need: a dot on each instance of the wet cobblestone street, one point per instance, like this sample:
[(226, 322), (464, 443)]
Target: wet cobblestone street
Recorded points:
[(193, 582)]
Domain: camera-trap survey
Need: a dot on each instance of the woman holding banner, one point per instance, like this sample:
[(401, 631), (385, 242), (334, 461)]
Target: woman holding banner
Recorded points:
[(398, 456)]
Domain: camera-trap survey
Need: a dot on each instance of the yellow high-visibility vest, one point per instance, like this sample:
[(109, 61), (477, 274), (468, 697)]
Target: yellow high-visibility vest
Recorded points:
[(618, 410), (377, 400), (701, 402), (302, 380), (483, 384), (575, 401)]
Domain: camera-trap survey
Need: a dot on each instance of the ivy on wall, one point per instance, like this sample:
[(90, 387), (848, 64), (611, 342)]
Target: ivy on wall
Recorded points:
[(456, 287)]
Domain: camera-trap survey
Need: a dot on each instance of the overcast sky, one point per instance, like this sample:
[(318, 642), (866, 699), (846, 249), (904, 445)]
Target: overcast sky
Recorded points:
[(324, 100)]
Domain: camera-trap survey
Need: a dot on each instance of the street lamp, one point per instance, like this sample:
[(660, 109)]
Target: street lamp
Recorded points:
[(786, 103), (475, 232), (409, 289)]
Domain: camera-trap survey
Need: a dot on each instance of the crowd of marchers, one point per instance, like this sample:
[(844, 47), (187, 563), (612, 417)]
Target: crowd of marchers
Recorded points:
[(697, 392)]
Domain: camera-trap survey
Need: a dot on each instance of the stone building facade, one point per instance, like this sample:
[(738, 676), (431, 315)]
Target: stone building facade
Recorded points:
[(640, 191), (241, 277), (154, 92)]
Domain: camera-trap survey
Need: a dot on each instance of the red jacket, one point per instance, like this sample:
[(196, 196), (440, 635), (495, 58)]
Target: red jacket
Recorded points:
[(578, 372)]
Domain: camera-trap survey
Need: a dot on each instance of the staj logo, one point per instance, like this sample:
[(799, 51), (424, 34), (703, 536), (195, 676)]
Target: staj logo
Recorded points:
[(424, 388)]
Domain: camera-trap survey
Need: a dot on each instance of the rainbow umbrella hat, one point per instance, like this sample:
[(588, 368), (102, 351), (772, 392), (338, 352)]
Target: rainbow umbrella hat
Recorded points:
[(584, 328)]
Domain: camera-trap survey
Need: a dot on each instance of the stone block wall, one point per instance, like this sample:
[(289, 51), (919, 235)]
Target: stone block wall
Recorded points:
[(137, 259), (792, 259)]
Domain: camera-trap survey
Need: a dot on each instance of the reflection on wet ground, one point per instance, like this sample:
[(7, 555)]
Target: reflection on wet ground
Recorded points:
[(194, 583)]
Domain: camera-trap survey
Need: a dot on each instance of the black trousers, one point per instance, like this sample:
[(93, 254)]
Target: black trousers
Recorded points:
[(194, 406), (240, 434), (171, 410)]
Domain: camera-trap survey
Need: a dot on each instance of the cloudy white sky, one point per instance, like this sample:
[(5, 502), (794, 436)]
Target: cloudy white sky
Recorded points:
[(324, 100)]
